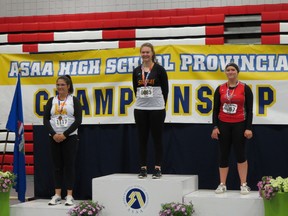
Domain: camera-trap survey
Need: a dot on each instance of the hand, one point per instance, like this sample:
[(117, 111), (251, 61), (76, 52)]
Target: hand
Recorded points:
[(248, 134), (62, 137), (56, 138), (215, 133), (59, 138)]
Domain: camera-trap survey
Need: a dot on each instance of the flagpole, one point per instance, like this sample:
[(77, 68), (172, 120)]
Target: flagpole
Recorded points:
[(4, 150), (15, 124)]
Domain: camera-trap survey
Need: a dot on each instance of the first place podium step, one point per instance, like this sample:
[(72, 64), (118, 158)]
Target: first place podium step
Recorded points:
[(125, 194)]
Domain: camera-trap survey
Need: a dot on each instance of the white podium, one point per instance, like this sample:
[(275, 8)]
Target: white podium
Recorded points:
[(207, 203), (39, 207), (125, 194)]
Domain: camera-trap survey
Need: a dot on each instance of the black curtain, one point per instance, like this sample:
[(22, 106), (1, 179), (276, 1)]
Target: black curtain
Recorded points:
[(188, 149)]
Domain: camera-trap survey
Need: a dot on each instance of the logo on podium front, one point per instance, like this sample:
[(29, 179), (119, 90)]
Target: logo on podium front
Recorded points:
[(135, 199)]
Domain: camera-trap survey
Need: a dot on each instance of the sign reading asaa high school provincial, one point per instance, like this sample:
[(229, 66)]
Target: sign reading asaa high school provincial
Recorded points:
[(103, 81)]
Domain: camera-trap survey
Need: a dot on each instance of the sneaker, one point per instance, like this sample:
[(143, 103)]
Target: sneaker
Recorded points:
[(221, 189), (157, 173), (143, 173), (244, 189), (69, 200), (56, 199)]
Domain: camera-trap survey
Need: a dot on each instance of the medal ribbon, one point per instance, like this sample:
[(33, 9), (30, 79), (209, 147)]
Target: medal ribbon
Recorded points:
[(228, 94), (61, 106), (145, 80)]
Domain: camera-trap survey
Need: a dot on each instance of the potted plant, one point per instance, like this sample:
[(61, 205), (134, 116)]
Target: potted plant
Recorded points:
[(176, 209), (7, 180), (85, 208), (274, 192)]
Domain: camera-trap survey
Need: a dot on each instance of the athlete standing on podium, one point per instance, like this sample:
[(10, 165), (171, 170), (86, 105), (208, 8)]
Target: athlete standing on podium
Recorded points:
[(62, 117), (150, 84), (232, 121)]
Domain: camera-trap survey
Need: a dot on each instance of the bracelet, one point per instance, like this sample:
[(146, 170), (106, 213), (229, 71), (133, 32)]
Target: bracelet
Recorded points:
[(215, 127)]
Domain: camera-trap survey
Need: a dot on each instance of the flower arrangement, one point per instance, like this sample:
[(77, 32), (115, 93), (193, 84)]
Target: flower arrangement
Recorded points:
[(86, 208), (176, 209), (268, 186), (7, 180)]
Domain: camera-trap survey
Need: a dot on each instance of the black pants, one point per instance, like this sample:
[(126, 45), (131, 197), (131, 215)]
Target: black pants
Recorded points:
[(64, 157), (231, 134), (150, 121)]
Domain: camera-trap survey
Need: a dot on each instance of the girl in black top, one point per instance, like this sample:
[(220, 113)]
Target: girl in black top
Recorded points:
[(232, 121), (150, 84), (62, 117)]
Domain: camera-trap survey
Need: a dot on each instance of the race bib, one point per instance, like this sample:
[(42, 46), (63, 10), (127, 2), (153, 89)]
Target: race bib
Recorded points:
[(146, 92), (61, 121), (229, 108)]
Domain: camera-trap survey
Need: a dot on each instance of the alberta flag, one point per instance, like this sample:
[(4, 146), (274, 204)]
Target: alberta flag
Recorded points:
[(15, 124)]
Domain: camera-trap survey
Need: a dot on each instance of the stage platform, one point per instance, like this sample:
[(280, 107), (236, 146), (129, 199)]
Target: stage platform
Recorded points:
[(39, 207), (126, 195), (207, 203)]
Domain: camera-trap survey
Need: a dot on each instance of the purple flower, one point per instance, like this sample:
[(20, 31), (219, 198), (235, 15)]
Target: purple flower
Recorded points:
[(179, 209), (86, 208)]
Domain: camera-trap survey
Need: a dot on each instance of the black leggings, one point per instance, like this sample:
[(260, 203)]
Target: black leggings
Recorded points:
[(64, 157), (150, 120), (231, 134)]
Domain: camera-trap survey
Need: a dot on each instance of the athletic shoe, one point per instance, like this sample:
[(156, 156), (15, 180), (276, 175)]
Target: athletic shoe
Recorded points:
[(69, 200), (244, 189), (56, 199), (157, 173), (143, 173), (221, 189)]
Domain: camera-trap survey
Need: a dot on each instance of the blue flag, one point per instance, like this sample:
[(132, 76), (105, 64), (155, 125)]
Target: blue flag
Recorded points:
[(15, 124)]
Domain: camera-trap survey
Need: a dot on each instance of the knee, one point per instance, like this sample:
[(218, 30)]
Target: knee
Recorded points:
[(223, 163), (241, 160)]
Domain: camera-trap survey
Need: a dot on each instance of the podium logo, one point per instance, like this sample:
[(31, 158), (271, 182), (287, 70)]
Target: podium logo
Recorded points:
[(136, 199)]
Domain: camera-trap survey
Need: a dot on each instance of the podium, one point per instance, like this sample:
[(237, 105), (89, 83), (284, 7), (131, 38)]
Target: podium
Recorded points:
[(207, 203), (39, 207), (125, 194)]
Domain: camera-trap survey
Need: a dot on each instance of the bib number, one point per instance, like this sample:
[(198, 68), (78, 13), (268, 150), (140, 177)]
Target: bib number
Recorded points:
[(61, 121), (230, 108), (146, 92)]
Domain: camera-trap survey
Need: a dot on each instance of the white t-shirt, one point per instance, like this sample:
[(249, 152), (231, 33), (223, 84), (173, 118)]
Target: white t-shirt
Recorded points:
[(62, 114)]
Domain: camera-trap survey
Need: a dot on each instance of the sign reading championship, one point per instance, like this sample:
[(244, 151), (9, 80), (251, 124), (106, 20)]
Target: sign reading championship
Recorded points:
[(103, 81)]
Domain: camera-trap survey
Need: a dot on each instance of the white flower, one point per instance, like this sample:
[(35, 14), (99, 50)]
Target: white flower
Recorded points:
[(280, 183)]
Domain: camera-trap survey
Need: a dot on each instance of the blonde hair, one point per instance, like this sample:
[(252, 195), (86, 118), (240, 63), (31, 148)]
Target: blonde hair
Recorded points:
[(152, 49)]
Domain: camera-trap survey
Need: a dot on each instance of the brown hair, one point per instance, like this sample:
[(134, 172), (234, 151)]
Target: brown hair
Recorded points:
[(67, 79), (233, 65)]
